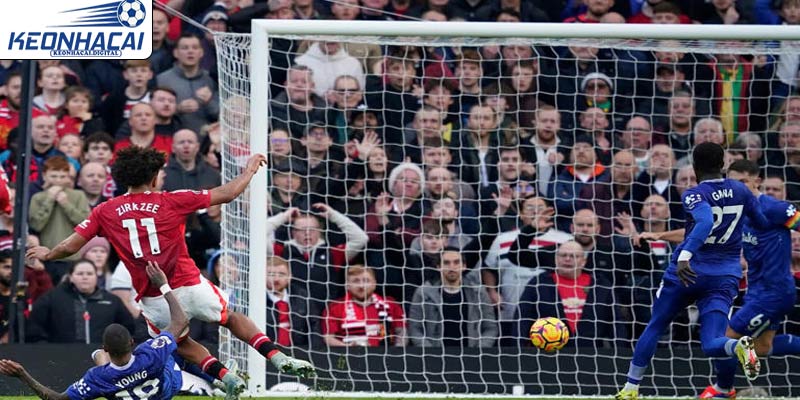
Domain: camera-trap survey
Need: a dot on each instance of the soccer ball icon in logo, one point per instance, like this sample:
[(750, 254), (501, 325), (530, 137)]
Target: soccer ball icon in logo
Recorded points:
[(130, 13), (549, 334)]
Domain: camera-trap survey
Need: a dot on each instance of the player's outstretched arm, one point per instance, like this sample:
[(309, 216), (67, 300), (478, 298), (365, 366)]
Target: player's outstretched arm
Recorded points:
[(231, 190), (16, 370), (178, 321), (66, 248), (674, 236)]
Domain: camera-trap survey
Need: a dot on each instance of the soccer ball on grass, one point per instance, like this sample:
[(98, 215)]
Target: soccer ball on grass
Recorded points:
[(549, 334)]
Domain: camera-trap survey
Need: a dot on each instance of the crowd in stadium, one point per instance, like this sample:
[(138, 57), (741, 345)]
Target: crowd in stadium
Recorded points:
[(421, 196)]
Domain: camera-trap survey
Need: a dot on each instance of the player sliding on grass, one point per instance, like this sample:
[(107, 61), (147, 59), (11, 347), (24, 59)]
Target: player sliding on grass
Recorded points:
[(770, 284), (145, 225), (147, 372), (704, 268)]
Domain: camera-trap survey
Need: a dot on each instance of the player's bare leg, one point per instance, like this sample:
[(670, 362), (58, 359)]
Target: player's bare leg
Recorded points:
[(246, 330), (196, 353)]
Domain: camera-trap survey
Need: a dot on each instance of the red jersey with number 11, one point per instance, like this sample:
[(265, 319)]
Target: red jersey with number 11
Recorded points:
[(149, 226)]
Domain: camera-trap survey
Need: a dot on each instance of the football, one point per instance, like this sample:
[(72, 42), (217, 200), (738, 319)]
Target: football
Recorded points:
[(130, 13), (549, 334)]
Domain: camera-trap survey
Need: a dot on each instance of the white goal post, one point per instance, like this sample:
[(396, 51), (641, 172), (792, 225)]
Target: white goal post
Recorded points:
[(255, 87)]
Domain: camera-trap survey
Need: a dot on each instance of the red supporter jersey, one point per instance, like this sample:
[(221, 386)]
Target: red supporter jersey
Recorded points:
[(160, 142), (149, 226)]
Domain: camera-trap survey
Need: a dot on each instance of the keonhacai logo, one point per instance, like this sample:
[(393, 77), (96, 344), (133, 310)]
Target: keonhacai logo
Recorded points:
[(88, 29)]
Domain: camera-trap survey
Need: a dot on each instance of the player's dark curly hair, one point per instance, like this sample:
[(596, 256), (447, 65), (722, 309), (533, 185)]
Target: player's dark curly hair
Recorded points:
[(117, 340), (708, 159), (745, 166), (136, 166)]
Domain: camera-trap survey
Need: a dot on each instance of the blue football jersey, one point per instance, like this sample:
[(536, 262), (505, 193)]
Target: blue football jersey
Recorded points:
[(769, 251), (151, 374), (726, 202)]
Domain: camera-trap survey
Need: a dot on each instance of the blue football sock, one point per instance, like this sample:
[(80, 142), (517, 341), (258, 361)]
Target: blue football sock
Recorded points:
[(726, 372), (785, 344), (712, 335)]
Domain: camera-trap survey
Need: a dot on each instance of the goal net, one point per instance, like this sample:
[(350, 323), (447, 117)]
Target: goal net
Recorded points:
[(495, 145)]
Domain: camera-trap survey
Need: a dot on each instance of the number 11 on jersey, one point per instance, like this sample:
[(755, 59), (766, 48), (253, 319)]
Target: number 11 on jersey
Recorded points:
[(133, 234)]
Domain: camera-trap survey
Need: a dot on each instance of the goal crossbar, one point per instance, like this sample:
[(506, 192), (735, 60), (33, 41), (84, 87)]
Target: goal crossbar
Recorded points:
[(527, 30)]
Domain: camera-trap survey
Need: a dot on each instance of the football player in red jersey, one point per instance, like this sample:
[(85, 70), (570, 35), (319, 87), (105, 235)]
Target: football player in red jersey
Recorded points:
[(148, 225)]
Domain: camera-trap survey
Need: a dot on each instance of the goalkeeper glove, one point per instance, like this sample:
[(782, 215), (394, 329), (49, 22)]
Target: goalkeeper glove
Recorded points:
[(293, 366)]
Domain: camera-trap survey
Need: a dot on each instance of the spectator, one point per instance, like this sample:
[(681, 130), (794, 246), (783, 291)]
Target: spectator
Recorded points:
[(280, 147), (39, 281), (59, 207), (735, 88), (595, 10), (404, 274), (604, 259), (347, 97), (317, 265), (91, 180), (774, 186), (324, 166), (161, 59), (527, 11), (709, 130), (428, 123), (658, 180), (468, 73), (288, 314), (98, 148), (373, 10), (396, 219), (216, 20), (97, 251), (77, 311), (752, 146), (543, 148), (52, 84), (439, 181), (328, 61), (660, 12), (203, 233), (186, 169), (516, 254), (164, 102), (725, 12), (10, 107), (363, 317), (569, 293), (479, 151), (594, 122), (790, 138), (583, 169), (76, 116), (481, 10), (685, 179), (398, 94), (445, 211), (72, 146), (287, 187), (679, 131), (297, 105), (512, 184), (143, 132), (637, 138), (613, 195), (197, 92), (116, 107), (453, 310)]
